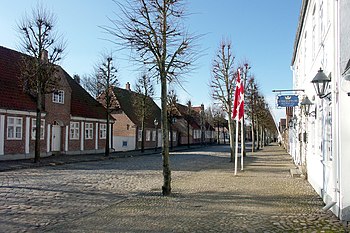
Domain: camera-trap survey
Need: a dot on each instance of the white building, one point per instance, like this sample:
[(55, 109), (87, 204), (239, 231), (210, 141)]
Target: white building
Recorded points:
[(320, 140)]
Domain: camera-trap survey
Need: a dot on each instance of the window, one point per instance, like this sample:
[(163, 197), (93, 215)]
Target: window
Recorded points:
[(125, 144), (74, 130), (127, 127), (14, 128), (148, 135), (174, 136), (139, 135), (154, 135), (58, 97), (103, 131), (89, 130), (42, 128)]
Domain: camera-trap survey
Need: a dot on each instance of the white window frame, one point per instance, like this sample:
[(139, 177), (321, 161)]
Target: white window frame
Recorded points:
[(74, 130), (103, 131), (15, 125), (89, 130), (42, 129), (58, 97)]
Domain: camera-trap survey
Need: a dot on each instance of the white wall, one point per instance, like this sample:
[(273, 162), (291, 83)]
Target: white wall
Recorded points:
[(118, 143), (344, 113), (317, 48)]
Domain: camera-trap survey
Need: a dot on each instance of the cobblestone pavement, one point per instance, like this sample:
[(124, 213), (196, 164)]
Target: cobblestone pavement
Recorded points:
[(123, 195)]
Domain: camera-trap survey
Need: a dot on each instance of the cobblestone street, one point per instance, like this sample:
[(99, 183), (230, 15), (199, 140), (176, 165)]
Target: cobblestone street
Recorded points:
[(123, 195)]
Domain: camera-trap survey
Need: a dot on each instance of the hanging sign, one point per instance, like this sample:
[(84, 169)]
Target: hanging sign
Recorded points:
[(287, 100)]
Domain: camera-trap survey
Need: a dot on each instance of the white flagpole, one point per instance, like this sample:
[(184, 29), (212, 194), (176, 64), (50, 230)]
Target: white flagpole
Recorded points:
[(236, 148), (242, 140)]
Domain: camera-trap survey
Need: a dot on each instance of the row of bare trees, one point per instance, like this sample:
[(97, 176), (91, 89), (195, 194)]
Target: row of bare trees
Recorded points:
[(258, 112), (224, 76), (153, 30)]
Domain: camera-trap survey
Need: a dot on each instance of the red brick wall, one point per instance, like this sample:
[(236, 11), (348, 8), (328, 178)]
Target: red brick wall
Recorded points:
[(123, 126), (57, 111)]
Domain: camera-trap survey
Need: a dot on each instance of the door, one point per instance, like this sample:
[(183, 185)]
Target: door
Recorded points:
[(56, 138)]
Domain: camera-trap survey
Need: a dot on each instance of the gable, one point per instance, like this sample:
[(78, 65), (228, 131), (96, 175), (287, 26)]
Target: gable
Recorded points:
[(126, 99)]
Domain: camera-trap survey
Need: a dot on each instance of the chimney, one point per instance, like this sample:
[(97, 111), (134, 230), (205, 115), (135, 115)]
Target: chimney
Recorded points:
[(127, 86), (44, 56), (76, 78)]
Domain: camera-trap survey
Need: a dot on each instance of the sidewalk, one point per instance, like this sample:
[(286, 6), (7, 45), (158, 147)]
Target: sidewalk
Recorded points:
[(262, 198)]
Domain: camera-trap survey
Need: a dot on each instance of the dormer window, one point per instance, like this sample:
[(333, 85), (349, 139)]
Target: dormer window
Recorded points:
[(58, 97)]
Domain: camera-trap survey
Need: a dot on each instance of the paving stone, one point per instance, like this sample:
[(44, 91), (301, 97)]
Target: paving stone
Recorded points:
[(123, 195)]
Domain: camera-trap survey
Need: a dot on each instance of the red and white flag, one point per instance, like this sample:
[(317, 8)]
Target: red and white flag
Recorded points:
[(238, 104)]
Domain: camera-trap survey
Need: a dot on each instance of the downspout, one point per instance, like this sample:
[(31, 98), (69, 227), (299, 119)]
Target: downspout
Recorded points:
[(336, 111)]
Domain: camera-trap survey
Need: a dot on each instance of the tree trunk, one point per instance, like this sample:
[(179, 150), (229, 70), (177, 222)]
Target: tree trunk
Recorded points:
[(38, 128), (166, 189), (143, 134), (231, 132), (243, 137), (223, 132), (253, 137), (218, 133), (107, 133), (257, 136), (188, 134), (171, 134)]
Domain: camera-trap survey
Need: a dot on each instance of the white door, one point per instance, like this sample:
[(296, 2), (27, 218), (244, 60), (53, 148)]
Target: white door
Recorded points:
[(56, 138)]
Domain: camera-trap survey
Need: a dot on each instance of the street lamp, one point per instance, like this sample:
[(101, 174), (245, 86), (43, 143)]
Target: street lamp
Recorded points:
[(321, 82), (305, 105), (156, 127)]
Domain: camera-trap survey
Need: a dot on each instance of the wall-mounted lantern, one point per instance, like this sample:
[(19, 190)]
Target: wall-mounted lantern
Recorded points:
[(345, 84), (321, 82), (305, 105)]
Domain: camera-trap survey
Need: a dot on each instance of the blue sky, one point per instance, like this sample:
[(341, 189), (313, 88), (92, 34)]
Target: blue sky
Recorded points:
[(262, 32)]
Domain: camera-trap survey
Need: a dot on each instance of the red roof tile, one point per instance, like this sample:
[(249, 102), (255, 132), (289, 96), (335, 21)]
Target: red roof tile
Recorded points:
[(11, 93)]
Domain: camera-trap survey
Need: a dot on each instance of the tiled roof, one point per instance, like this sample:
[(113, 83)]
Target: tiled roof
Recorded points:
[(13, 97), (126, 101), (11, 92), (82, 103), (192, 118)]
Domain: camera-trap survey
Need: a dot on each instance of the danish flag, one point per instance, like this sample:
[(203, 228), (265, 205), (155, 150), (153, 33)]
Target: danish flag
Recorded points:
[(238, 104)]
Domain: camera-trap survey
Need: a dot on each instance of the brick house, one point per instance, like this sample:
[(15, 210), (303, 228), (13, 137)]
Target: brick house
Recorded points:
[(72, 121), (127, 126), (199, 129)]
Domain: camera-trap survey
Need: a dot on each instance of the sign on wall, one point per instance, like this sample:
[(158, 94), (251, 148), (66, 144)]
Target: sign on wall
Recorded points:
[(287, 100)]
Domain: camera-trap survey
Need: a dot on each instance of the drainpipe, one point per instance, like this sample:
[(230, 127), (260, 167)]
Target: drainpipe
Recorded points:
[(336, 107)]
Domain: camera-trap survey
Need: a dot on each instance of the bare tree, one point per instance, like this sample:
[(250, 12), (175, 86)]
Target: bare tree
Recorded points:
[(106, 74), (250, 107), (222, 84), (218, 120), (143, 87), (38, 76), (90, 84), (153, 29)]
